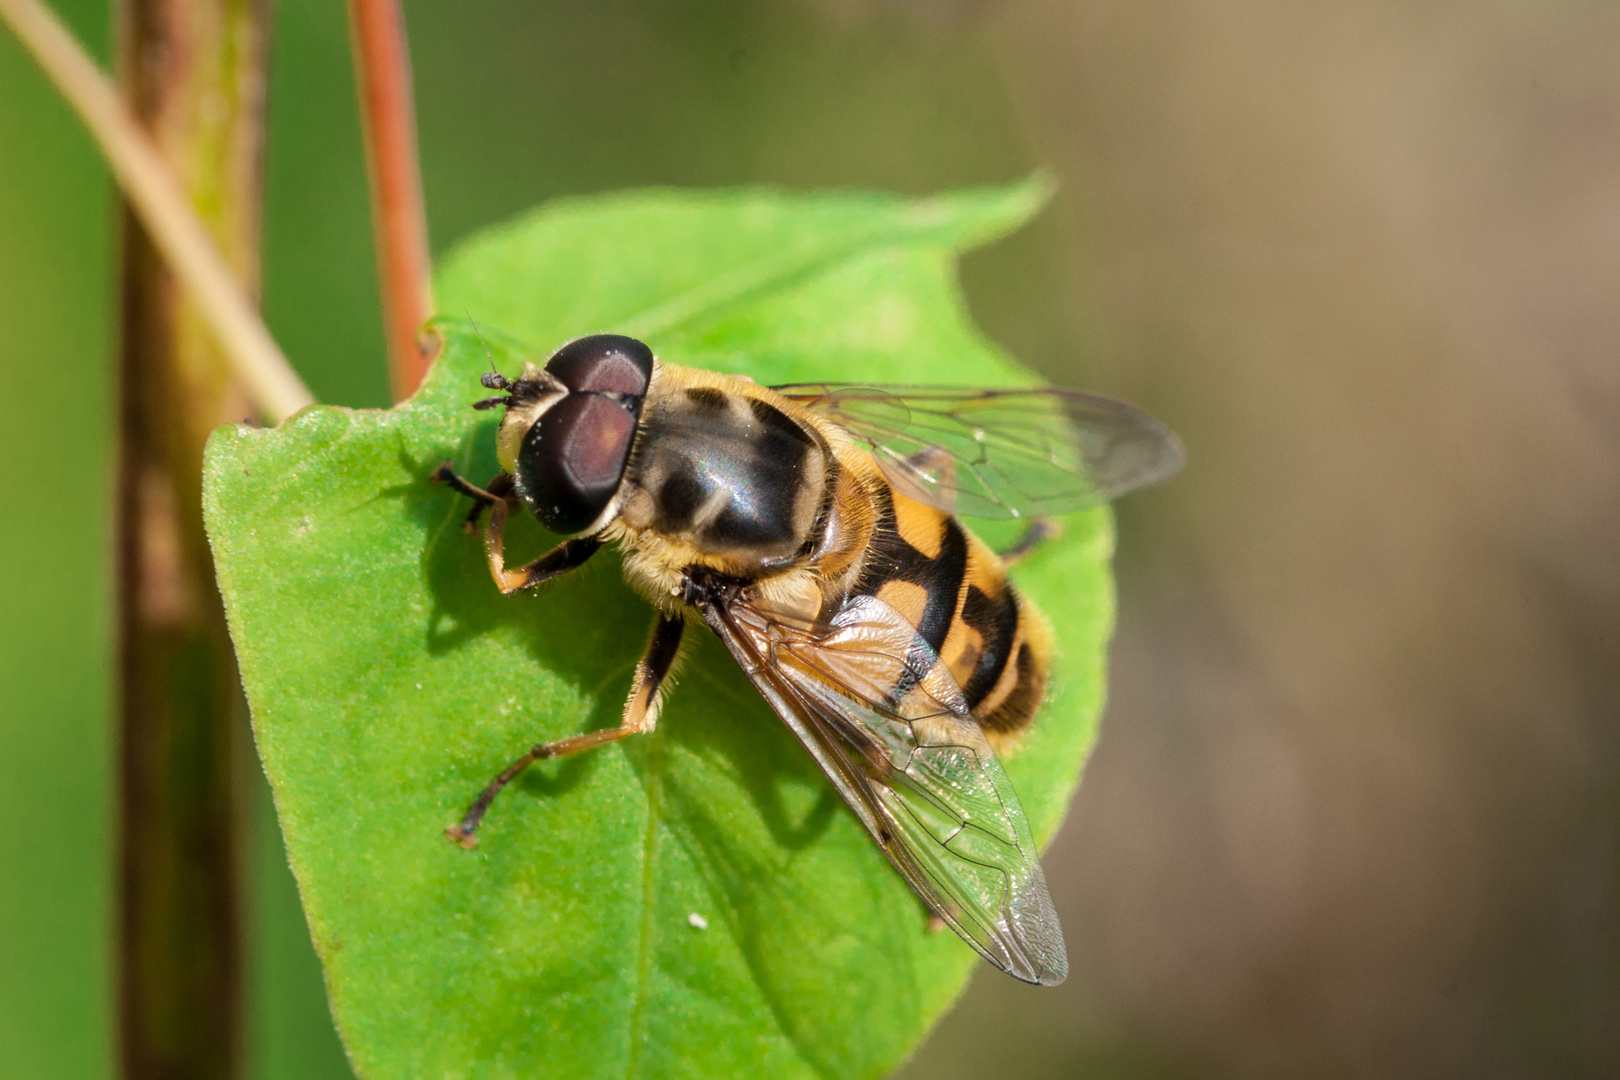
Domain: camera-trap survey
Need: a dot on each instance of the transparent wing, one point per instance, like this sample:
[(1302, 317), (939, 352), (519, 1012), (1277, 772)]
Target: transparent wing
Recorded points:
[(884, 719), (1000, 453)]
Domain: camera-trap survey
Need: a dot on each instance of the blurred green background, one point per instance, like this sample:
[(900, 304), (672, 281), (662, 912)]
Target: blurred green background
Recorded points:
[(1356, 808)]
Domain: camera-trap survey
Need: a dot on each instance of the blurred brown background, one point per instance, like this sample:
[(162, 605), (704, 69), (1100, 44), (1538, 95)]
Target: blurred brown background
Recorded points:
[(1355, 809)]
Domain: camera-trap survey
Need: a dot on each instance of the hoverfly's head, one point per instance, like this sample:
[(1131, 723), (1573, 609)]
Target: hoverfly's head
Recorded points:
[(569, 426)]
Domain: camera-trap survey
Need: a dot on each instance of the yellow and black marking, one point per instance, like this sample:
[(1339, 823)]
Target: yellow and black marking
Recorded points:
[(948, 584), (727, 470)]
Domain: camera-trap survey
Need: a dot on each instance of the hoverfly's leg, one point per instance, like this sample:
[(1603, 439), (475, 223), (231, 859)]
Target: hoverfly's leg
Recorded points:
[(497, 490), (641, 708), (640, 714), (444, 474), (1039, 531), (564, 557), (500, 486)]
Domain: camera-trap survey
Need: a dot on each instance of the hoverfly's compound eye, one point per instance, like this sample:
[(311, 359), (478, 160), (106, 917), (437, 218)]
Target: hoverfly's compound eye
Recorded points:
[(573, 457), (603, 364)]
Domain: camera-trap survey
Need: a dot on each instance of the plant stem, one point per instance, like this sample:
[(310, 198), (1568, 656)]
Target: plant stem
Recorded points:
[(193, 71), (383, 68), (169, 219)]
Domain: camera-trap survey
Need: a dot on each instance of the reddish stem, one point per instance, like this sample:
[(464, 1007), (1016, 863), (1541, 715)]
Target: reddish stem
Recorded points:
[(388, 115)]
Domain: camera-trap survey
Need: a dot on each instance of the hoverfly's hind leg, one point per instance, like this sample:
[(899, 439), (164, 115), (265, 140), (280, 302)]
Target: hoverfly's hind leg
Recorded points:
[(566, 556), (1040, 530), (640, 715)]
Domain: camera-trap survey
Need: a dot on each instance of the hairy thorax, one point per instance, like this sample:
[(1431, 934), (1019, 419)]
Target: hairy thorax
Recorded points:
[(722, 477)]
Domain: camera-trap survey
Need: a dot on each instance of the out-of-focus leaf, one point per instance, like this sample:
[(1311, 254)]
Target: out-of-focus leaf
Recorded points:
[(389, 680)]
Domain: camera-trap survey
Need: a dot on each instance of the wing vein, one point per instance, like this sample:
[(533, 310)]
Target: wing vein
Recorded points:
[(1003, 453), (913, 766)]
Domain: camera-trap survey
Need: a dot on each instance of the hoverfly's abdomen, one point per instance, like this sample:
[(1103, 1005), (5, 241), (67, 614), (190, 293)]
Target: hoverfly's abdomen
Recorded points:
[(733, 474), (944, 581)]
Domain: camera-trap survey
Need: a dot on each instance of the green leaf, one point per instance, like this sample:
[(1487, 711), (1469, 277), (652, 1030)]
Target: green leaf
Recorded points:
[(389, 680)]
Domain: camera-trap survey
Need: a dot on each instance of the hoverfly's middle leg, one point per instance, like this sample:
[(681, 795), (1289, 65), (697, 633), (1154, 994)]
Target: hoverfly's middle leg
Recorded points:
[(1040, 530), (640, 715)]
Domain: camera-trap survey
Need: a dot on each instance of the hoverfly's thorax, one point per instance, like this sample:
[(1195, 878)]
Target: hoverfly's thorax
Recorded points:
[(728, 472)]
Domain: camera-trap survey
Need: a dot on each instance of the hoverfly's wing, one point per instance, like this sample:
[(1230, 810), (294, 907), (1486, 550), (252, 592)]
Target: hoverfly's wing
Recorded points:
[(1000, 453), (885, 720)]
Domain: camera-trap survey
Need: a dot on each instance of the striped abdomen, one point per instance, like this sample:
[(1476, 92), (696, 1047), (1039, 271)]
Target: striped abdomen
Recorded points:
[(949, 585)]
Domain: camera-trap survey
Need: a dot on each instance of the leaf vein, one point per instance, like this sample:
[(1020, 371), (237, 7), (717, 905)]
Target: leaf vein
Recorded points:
[(769, 274), (649, 852)]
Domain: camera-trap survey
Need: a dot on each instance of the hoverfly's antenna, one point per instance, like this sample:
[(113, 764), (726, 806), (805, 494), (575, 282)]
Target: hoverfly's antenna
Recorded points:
[(482, 342), (492, 379)]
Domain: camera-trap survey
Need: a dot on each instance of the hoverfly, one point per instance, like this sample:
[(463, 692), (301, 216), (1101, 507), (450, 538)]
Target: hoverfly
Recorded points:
[(814, 529)]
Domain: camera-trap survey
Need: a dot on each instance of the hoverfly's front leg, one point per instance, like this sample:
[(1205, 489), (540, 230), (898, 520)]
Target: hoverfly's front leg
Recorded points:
[(640, 714), (566, 556), (497, 490), (1040, 530), (500, 487)]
